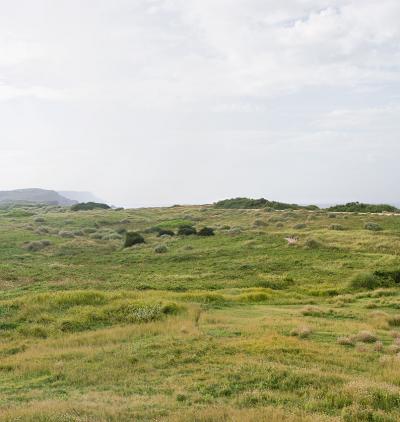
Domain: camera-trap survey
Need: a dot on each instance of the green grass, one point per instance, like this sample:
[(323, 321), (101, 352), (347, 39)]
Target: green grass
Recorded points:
[(237, 326)]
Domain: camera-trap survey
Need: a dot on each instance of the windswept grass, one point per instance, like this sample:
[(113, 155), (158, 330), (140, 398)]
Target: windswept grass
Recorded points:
[(238, 326)]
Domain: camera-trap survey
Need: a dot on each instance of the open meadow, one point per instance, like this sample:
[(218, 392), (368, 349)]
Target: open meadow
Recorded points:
[(281, 315)]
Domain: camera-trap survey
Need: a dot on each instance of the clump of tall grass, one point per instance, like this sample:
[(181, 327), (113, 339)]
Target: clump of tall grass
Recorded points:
[(312, 244), (365, 337), (337, 227), (66, 234), (394, 321), (301, 332), (36, 245), (372, 226), (160, 249)]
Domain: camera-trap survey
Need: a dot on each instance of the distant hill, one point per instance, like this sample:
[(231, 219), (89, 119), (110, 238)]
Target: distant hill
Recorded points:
[(34, 196), (248, 203), (80, 196)]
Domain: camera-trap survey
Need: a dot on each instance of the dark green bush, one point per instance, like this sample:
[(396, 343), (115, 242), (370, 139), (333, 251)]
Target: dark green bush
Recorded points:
[(165, 232), (186, 230), (133, 238), (206, 231)]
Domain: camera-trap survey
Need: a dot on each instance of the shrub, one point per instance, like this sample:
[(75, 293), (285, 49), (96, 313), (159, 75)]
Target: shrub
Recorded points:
[(312, 244), (165, 232), (345, 341), (331, 215), (66, 234), (259, 223), (160, 249), (186, 230), (300, 226), (360, 207), (373, 227), (39, 220), (89, 230), (206, 231), (394, 321), (338, 227), (301, 332), (85, 206), (365, 337), (37, 245), (42, 230), (375, 280), (133, 238)]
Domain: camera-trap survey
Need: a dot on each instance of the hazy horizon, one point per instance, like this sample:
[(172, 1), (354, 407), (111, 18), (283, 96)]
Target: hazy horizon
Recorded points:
[(160, 102)]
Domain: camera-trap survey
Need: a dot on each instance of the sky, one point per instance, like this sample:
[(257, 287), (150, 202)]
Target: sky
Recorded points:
[(162, 102)]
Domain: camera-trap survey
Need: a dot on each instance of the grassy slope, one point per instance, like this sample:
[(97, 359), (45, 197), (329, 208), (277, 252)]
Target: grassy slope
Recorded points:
[(92, 332)]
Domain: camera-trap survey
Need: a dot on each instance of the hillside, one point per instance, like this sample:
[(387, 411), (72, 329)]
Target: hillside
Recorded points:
[(278, 316), (32, 196)]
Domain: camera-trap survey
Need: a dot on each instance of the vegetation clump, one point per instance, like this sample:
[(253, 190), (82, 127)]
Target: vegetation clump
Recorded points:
[(364, 208), (161, 249), (206, 231), (66, 234), (376, 279), (337, 227), (312, 244), (186, 230), (375, 227), (165, 232), (37, 245), (301, 332), (248, 203), (133, 238), (87, 206), (300, 226)]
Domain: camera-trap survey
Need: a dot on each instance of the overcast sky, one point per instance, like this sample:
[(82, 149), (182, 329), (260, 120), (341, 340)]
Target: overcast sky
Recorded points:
[(157, 102)]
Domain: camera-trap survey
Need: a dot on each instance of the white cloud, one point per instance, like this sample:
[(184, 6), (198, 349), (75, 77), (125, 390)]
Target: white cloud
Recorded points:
[(253, 85)]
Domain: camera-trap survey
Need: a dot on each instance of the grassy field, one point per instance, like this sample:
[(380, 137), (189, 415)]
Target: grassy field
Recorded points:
[(240, 326)]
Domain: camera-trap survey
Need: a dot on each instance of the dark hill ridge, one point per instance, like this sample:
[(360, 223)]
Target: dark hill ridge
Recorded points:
[(35, 196)]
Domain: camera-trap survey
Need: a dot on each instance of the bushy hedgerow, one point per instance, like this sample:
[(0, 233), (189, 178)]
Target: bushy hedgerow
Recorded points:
[(360, 207), (85, 206), (248, 203), (133, 238)]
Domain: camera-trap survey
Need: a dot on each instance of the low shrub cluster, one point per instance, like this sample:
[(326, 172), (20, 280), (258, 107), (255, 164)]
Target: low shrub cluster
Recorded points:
[(87, 206), (36, 245), (375, 280), (133, 238), (375, 227)]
